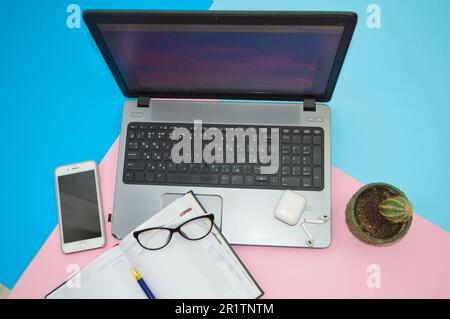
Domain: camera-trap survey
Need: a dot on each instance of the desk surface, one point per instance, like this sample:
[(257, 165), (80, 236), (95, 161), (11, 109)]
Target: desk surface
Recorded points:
[(390, 117), (416, 267)]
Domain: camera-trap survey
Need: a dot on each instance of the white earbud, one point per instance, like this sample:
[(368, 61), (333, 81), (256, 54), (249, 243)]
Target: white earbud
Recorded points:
[(310, 240), (323, 219)]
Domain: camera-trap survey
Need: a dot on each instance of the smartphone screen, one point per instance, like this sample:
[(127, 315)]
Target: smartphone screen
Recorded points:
[(79, 206)]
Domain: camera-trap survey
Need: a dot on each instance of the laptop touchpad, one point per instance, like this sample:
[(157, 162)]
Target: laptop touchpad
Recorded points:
[(211, 203)]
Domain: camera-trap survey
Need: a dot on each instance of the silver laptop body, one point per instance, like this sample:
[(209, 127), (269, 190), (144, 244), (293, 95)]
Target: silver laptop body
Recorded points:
[(244, 215)]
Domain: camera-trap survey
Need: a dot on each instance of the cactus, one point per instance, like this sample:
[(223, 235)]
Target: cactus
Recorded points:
[(396, 209)]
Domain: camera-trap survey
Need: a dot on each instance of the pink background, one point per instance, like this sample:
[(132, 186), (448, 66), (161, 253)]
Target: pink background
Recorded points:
[(416, 267)]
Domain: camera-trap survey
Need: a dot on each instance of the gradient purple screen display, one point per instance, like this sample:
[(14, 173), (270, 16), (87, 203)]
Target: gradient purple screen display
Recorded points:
[(241, 59)]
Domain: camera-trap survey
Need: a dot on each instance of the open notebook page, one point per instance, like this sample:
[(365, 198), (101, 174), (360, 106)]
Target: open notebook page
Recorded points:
[(207, 268), (107, 277)]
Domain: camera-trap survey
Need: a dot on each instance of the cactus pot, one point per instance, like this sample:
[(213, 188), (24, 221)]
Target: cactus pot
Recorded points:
[(364, 220)]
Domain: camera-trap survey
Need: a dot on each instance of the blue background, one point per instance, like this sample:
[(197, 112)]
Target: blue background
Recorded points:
[(390, 108)]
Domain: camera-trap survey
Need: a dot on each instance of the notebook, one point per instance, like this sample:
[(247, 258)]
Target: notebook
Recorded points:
[(184, 269)]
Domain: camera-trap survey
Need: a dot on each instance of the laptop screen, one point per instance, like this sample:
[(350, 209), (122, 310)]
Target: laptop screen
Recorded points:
[(223, 54), (232, 58)]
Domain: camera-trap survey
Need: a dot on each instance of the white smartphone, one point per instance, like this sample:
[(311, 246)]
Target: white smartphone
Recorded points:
[(80, 211)]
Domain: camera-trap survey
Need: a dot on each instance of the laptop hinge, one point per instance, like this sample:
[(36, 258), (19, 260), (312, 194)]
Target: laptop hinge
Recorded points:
[(309, 105), (143, 102)]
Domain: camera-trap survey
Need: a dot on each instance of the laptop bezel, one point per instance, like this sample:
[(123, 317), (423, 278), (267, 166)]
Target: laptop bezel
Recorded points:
[(348, 19)]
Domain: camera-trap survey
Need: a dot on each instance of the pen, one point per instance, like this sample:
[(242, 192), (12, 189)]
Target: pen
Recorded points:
[(142, 283)]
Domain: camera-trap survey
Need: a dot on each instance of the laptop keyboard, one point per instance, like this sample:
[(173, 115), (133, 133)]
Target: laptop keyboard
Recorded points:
[(148, 160)]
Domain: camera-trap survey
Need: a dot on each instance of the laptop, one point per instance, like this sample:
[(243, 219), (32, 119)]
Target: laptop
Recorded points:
[(194, 79)]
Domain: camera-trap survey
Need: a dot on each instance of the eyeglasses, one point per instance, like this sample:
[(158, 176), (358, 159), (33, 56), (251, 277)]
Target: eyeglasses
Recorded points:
[(159, 237)]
